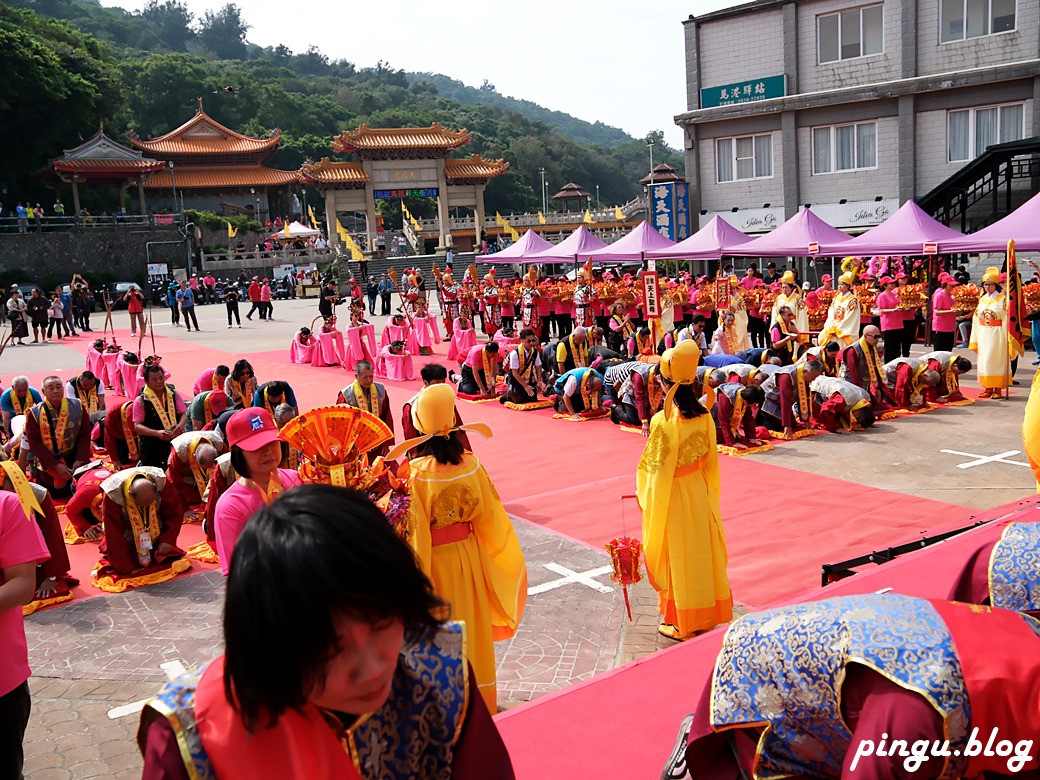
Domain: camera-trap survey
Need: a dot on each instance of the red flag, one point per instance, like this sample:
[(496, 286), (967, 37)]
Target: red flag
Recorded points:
[(1015, 304)]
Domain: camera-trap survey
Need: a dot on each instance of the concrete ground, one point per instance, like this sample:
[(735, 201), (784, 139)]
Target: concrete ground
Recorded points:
[(93, 656)]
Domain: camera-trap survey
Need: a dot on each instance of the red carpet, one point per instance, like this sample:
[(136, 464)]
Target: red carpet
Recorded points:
[(623, 723), (569, 477)]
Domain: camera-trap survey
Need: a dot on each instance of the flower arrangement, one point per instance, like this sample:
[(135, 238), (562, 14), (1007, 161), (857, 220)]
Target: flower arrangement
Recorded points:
[(1032, 296), (966, 297), (911, 297)]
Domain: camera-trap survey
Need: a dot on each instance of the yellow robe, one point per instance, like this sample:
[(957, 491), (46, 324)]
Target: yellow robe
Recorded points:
[(989, 340), (801, 315), (842, 323), (741, 339), (483, 577), (677, 485)]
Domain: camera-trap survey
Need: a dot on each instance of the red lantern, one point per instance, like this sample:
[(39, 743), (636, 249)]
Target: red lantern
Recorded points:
[(625, 553)]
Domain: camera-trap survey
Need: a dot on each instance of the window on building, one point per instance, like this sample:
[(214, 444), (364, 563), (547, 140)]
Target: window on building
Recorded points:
[(970, 131), (844, 147), (960, 19), (744, 157), (850, 34)]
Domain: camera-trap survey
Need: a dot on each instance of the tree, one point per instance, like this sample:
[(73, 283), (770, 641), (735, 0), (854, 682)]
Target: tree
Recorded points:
[(223, 33), (161, 91), (172, 21)]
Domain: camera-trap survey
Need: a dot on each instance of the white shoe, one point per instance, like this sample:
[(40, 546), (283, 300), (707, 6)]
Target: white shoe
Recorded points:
[(229, 327)]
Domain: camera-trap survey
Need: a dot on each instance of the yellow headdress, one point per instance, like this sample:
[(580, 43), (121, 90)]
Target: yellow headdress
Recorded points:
[(433, 414), (992, 275), (734, 280), (22, 488), (679, 366), (787, 278), (847, 278)]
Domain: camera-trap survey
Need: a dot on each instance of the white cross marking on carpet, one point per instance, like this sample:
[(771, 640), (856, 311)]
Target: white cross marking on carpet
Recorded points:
[(572, 577), (983, 459)]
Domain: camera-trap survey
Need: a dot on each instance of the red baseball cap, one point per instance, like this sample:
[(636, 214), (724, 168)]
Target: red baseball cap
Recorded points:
[(217, 401), (250, 429)]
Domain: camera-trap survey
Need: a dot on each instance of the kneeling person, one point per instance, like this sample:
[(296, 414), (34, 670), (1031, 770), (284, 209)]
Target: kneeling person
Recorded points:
[(523, 371), (735, 410), (840, 406), (579, 390)]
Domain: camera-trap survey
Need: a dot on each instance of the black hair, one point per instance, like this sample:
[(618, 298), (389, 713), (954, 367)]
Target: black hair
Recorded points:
[(238, 461), (240, 367), (305, 331), (293, 574), (278, 387), (222, 370), (152, 368), (963, 364), (88, 375), (753, 394), (491, 346), (644, 331), (433, 372), (865, 416), (445, 450), (832, 346), (698, 318), (526, 333), (686, 400)]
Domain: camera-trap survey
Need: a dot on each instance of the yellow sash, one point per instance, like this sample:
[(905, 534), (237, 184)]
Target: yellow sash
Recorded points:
[(267, 404), (579, 352), (197, 472), (207, 412), (140, 524), (803, 394), (782, 326), (62, 425), (624, 325), (589, 397), (490, 375), (19, 408), (238, 395), (953, 384), (915, 385), (166, 409), (367, 401), (215, 382), (871, 358), (738, 413), (22, 488), (274, 487), (90, 401), (654, 391), (129, 432), (644, 346), (526, 369)]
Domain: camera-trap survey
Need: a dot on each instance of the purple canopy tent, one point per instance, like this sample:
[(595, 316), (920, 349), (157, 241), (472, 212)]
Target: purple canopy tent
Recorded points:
[(576, 246), (638, 244), (530, 243), (712, 242), (903, 233), (793, 239), (1022, 224)]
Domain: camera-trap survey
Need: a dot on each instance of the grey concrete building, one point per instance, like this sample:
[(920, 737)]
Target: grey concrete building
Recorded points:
[(852, 107)]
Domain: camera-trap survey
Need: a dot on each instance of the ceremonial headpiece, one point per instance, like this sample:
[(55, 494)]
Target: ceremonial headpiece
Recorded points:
[(992, 275), (679, 366), (846, 278), (433, 414), (787, 278), (22, 488)]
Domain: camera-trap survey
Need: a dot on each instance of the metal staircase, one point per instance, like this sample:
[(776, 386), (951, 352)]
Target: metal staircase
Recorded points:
[(989, 187)]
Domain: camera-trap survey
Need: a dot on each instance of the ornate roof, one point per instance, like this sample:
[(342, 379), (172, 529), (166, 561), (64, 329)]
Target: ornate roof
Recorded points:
[(434, 140), (100, 155), (662, 174), (473, 170), (203, 135), (342, 175), (570, 191), (217, 176)]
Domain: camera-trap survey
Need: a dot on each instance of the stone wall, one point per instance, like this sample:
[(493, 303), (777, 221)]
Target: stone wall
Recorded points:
[(120, 251)]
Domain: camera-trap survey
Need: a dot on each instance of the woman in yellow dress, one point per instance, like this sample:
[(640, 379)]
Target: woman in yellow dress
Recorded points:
[(989, 337), (462, 535), (842, 323), (677, 484)]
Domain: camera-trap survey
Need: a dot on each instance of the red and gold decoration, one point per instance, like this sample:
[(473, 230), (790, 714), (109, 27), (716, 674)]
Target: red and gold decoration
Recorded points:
[(625, 553)]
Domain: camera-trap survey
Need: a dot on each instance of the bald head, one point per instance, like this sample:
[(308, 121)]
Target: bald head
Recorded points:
[(930, 378), (872, 330), (206, 455)]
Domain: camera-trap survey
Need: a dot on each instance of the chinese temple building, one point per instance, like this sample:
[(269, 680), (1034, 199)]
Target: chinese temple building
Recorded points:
[(572, 192), (402, 162), (211, 167), (101, 161)]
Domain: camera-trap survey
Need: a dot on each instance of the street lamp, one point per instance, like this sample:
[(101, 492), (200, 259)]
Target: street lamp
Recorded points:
[(598, 207), (256, 201), (541, 172), (303, 216), (173, 182)]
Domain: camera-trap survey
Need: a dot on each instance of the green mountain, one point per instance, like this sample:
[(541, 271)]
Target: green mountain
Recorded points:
[(74, 63), (572, 127)]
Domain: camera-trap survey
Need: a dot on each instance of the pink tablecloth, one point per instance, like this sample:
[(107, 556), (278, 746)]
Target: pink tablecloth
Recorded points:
[(329, 350), (397, 367), (393, 333)]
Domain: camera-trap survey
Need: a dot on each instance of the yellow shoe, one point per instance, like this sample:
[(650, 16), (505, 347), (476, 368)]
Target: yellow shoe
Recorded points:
[(671, 632)]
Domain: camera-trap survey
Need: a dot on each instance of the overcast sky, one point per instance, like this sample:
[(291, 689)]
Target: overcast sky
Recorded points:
[(607, 60)]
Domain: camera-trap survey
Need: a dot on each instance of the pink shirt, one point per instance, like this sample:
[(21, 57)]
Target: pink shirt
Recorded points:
[(474, 359), (893, 321), (265, 293), (137, 410), (944, 323), (20, 542), (204, 382), (234, 508)]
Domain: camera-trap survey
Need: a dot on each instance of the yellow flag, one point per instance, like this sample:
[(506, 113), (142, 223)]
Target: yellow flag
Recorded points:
[(618, 214), (314, 221), (498, 219), (541, 218), (286, 233), (231, 232), (588, 218)]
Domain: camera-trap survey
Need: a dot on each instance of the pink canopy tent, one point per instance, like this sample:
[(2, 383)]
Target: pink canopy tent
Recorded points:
[(639, 243), (577, 246), (530, 243), (1022, 224), (713, 241), (903, 233), (793, 238)]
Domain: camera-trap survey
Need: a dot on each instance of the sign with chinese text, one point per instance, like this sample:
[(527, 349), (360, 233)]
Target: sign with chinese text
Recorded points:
[(430, 192), (931, 248), (814, 247), (721, 293), (651, 295), (744, 92), (670, 209)]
